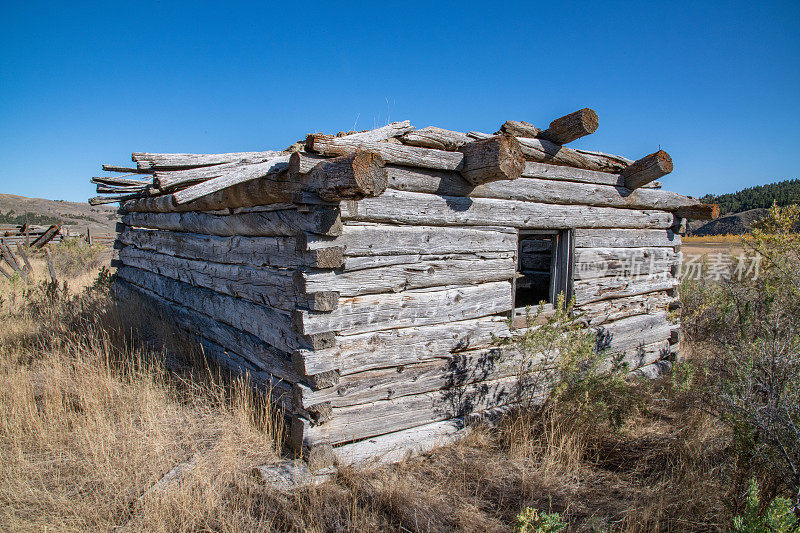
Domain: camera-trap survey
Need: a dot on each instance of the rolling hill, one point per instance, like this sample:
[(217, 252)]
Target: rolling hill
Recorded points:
[(40, 211)]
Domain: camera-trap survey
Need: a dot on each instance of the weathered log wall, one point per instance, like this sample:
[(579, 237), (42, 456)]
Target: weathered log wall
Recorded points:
[(371, 297)]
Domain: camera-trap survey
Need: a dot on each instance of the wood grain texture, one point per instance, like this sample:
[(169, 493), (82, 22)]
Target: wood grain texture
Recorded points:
[(437, 138), (408, 308), (400, 207), (496, 158), (519, 128), (272, 327), (647, 169), (625, 238), (540, 190), (242, 174), (571, 127), (593, 290), (398, 154), (146, 160), (253, 251), (285, 222)]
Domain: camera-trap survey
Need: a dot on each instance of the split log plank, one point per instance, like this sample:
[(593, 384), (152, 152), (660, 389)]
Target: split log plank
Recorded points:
[(245, 173), (413, 272), (409, 308), (176, 161), (395, 129), (384, 239), (592, 290), (540, 190), (436, 138), (259, 353), (267, 286), (398, 154), (272, 327), (625, 238), (123, 182), (285, 222), (254, 251), (591, 263), (401, 207), (605, 311)]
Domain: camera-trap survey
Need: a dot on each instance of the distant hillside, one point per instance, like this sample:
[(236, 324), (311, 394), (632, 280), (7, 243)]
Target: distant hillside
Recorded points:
[(759, 197), (40, 211)]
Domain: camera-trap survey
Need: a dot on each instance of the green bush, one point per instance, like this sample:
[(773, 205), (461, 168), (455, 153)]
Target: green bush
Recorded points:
[(776, 518), (534, 521)]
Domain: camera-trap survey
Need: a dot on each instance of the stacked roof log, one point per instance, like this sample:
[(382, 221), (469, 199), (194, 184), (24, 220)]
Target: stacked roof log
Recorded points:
[(364, 278)]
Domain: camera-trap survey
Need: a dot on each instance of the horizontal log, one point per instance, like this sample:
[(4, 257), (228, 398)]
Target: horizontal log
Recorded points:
[(625, 238), (397, 347), (122, 189), (436, 138), (362, 314), (273, 287), (253, 349), (493, 159), (593, 263), (125, 170), (592, 290), (632, 332), (365, 262), (398, 154), (254, 251), (395, 129), (539, 190), (244, 173), (171, 180), (303, 162), (647, 169), (416, 271), (121, 182), (384, 239), (387, 416), (285, 222), (570, 127), (401, 207), (520, 128), (101, 200), (394, 447), (272, 327), (605, 311), (176, 161)]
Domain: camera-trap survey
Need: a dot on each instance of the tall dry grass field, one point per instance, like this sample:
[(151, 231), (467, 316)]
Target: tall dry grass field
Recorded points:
[(93, 424)]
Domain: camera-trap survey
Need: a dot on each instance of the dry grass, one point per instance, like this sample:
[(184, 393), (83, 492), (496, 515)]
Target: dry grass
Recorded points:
[(90, 420)]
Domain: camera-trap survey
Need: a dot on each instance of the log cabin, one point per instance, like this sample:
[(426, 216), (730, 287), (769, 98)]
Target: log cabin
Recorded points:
[(362, 279)]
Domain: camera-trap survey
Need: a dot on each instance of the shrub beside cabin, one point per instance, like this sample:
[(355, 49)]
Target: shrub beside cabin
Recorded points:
[(363, 278)]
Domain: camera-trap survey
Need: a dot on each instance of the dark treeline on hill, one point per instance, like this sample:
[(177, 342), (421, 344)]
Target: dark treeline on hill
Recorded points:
[(761, 196), (13, 218)]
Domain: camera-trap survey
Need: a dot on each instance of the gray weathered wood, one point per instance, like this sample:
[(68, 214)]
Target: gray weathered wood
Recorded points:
[(176, 161), (401, 207), (272, 327), (285, 222), (520, 128), (604, 311), (24, 256), (570, 127), (544, 151), (125, 170), (245, 173), (385, 239), (47, 236), (398, 154), (395, 129), (437, 138), (593, 263), (272, 287), (255, 350), (397, 347), (416, 271), (386, 416), (647, 169), (592, 290), (254, 251), (541, 190), (496, 158), (408, 308), (124, 182), (50, 268), (625, 238), (100, 200), (171, 180)]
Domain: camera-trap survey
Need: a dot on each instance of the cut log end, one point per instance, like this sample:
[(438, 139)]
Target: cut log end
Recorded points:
[(699, 212), (349, 177), (573, 126), (647, 169), (492, 159)]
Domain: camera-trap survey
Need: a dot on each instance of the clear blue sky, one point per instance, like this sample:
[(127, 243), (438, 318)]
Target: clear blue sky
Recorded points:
[(716, 84)]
